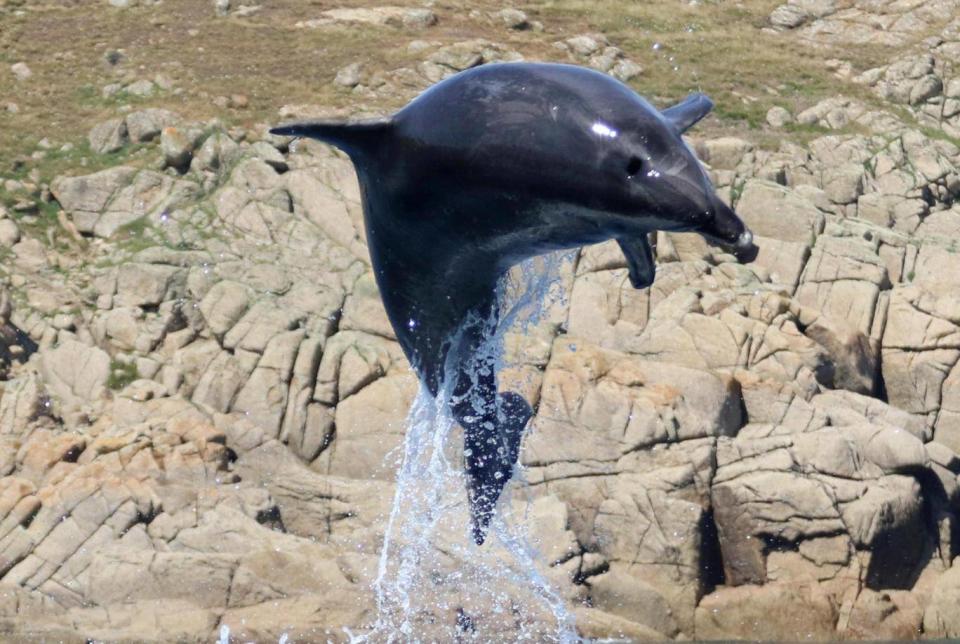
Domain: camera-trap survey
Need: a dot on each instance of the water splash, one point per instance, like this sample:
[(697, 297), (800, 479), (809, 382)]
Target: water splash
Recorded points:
[(433, 583)]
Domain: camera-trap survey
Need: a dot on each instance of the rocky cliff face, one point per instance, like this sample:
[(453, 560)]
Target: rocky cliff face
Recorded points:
[(203, 401)]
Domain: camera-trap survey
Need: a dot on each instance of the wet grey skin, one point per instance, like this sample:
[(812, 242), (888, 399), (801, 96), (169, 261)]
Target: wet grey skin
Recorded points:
[(490, 167)]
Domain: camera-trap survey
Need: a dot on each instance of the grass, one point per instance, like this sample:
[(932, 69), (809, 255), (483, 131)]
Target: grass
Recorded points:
[(723, 49), (76, 48), (713, 46), (121, 374)]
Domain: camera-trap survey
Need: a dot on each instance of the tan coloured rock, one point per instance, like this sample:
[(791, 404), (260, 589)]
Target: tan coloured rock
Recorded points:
[(145, 125), (605, 308), (223, 305), (774, 211), (891, 615), (108, 136), (919, 349), (147, 284), (599, 405), (75, 373), (940, 619), (84, 198), (203, 579), (724, 153), (24, 400), (370, 426), (771, 612)]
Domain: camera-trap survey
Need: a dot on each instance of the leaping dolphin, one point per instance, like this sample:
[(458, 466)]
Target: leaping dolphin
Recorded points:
[(492, 166)]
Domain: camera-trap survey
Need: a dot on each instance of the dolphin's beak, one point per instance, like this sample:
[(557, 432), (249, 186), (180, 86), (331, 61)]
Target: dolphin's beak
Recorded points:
[(729, 232)]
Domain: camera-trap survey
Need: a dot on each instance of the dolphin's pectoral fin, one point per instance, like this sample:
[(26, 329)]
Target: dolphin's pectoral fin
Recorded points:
[(640, 262), (684, 115)]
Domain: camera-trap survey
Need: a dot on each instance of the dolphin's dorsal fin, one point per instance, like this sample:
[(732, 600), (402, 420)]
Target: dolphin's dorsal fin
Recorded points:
[(685, 114), (350, 136)]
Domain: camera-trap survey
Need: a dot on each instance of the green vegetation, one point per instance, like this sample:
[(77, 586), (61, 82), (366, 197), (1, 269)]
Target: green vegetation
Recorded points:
[(121, 374), (720, 49)]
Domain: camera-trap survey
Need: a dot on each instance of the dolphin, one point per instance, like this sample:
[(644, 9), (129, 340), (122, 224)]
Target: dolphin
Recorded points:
[(490, 167)]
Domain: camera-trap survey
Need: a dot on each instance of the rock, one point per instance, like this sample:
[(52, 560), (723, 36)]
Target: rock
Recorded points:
[(147, 285), (594, 624), (621, 403), (269, 155), (148, 193), (201, 578), (322, 616), (263, 398), (158, 621), (177, 146), (788, 16), (778, 117), (774, 211), (145, 125), (217, 152), (844, 184), (857, 492), (583, 45), (513, 18), (785, 260), (890, 615), (108, 136), (245, 10), (9, 233), (75, 373), (604, 308), (221, 7), (239, 101), (384, 16), (224, 305), (349, 76), (940, 620), (31, 255), (85, 197), (24, 401), (925, 89), (626, 70), (769, 612), (843, 279), (370, 426), (419, 18), (724, 153), (141, 88), (854, 355), (631, 599), (20, 71), (918, 352)]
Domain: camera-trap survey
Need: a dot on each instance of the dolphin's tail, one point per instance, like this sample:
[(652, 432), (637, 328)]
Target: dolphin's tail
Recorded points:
[(349, 136), (491, 451)]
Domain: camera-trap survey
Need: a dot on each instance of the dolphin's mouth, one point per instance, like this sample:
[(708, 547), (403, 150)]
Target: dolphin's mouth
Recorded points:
[(742, 248), (728, 231)]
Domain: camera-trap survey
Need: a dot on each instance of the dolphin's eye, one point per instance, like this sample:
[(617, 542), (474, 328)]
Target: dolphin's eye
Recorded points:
[(634, 165)]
